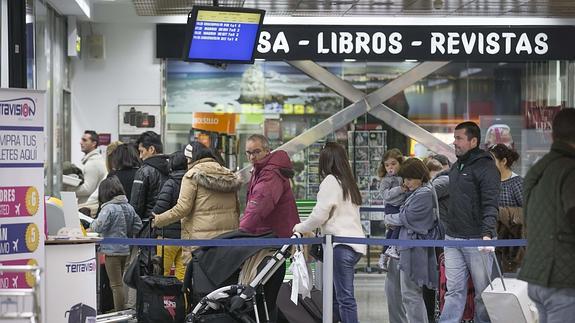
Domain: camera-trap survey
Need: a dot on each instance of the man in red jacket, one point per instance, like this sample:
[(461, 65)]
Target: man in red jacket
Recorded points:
[(270, 202), (270, 205)]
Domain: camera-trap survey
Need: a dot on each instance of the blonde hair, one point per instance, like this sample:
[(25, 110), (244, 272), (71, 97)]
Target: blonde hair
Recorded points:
[(391, 153)]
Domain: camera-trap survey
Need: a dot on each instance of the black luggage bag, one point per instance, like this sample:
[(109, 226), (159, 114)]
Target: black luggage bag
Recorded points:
[(79, 312), (307, 310), (159, 298)]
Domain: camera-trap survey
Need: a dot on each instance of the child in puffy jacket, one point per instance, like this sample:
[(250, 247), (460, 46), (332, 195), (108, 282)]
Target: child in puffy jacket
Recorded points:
[(394, 194), (117, 219), (167, 199)]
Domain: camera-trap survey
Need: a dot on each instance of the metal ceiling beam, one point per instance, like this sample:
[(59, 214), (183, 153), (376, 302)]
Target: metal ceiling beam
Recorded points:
[(375, 99), (362, 103)]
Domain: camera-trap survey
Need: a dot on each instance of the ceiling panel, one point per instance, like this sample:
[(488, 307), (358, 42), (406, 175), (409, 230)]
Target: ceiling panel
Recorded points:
[(495, 8)]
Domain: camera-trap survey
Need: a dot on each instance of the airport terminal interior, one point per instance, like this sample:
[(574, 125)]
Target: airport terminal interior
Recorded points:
[(368, 75)]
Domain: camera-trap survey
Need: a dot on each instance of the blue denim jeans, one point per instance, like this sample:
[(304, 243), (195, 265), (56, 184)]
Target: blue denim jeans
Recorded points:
[(459, 264), (555, 305), (344, 261)]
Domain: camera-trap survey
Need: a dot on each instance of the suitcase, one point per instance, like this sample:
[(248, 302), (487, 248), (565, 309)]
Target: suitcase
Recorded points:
[(506, 300), (159, 298), (308, 310), (469, 310)]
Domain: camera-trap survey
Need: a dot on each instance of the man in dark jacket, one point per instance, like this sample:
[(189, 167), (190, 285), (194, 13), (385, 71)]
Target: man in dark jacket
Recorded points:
[(150, 177), (549, 213), (474, 183), (167, 198), (270, 203)]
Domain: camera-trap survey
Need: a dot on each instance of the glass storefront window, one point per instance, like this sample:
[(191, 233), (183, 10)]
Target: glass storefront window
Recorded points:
[(512, 102)]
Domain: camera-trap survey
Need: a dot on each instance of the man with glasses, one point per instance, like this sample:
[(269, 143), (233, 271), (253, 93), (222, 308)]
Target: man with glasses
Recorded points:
[(270, 203), (93, 166)]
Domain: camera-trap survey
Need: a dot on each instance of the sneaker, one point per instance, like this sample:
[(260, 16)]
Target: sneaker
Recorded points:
[(383, 261), (392, 252)]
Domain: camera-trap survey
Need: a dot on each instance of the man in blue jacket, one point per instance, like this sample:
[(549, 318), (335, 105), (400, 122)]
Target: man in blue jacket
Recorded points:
[(474, 184)]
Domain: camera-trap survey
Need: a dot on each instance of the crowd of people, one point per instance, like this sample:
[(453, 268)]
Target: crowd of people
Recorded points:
[(190, 194)]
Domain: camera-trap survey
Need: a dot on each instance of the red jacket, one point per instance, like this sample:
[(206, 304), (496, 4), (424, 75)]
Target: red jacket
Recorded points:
[(270, 201)]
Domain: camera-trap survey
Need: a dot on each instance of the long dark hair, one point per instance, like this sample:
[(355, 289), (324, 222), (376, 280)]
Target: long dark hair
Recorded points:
[(200, 151), (333, 161), (109, 188), (125, 156)]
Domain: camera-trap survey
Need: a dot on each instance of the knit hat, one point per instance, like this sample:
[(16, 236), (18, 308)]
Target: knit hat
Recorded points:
[(188, 151)]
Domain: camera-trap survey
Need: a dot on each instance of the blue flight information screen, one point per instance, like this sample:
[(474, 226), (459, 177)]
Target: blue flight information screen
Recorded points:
[(224, 35)]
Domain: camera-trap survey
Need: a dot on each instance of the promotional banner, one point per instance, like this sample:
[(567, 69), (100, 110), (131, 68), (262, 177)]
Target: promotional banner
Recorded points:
[(396, 43), (22, 139)]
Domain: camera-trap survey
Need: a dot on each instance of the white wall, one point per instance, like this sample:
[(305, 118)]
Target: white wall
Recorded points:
[(129, 74)]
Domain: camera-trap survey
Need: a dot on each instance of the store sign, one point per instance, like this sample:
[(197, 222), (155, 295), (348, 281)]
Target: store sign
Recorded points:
[(398, 43), (376, 43), (216, 122)]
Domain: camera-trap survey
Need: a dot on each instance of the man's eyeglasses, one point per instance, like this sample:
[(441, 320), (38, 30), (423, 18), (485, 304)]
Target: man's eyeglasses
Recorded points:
[(255, 152)]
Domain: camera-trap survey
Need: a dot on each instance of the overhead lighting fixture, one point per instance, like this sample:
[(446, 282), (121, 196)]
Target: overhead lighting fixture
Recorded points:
[(349, 60)]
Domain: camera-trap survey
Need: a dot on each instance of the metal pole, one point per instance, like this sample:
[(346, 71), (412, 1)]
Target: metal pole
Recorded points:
[(327, 272)]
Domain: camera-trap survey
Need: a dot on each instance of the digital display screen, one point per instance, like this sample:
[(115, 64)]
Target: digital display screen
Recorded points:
[(223, 34)]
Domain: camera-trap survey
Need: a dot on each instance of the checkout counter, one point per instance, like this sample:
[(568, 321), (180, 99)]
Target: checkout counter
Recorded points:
[(71, 265)]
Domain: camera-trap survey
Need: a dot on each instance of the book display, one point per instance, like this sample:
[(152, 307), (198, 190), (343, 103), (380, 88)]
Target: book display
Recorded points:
[(365, 150)]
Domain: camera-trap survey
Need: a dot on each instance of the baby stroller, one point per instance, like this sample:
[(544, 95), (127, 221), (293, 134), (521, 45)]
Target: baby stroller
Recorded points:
[(229, 301)]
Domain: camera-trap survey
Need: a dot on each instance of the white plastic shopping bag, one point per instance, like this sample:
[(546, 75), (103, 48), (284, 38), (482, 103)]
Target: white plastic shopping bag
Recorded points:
[(300, 284)]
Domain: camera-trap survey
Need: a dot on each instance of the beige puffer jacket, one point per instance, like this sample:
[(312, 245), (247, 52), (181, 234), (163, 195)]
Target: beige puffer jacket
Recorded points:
[(208, 203)]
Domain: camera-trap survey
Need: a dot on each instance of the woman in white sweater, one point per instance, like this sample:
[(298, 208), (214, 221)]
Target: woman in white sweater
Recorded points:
[(337, 213)]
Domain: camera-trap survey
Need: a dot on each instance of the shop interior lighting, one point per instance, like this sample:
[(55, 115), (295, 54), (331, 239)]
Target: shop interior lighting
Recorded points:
[(469, 71)]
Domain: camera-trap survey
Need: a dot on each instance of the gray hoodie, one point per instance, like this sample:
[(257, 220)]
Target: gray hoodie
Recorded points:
[(117, 219)]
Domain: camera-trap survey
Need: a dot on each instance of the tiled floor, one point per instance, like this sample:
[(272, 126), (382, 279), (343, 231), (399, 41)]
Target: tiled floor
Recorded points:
[(370, 297)]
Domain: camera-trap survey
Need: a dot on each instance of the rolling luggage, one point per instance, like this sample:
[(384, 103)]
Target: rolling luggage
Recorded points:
[(307, 310), (159, 298), (469, 310), (506, 300)]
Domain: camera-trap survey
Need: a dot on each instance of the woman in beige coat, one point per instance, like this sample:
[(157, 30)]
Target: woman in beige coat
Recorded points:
[(208, 204)]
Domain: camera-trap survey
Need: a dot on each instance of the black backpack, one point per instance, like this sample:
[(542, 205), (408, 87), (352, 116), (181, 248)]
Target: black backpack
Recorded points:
[(79, 312)]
